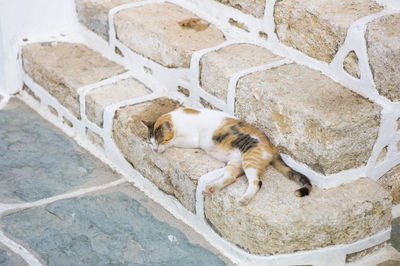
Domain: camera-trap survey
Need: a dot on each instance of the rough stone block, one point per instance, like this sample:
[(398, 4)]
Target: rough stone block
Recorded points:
[(317, 28), (252, 7), (165, 33), (276, 221), (94, 14), (63, 68), (391, 182), (99, 98), (216, 67), (383, 46), (176, 170), (310, 117)]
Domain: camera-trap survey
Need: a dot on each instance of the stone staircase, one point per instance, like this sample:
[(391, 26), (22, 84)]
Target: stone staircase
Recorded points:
[(309, 87)]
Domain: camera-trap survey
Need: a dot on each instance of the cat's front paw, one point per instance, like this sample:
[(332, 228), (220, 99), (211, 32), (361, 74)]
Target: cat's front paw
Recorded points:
[(209, 189)]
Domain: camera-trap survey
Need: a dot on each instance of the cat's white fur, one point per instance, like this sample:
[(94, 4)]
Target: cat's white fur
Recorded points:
[(196, 131)]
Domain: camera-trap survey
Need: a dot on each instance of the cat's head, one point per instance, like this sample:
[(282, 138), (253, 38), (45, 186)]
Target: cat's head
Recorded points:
[(160, 132)]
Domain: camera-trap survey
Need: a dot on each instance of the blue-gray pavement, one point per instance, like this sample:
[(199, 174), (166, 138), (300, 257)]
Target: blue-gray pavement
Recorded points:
[(395, 235), (35, 161), (4, 258), (110, 227)]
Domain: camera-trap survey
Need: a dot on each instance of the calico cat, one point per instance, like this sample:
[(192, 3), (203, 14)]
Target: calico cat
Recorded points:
[(245, 149)]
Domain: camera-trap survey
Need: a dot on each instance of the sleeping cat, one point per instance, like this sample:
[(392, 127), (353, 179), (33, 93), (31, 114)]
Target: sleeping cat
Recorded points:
[(245, 149)]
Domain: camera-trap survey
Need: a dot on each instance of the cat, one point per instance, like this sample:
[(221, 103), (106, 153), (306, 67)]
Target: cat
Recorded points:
[(245, 149)]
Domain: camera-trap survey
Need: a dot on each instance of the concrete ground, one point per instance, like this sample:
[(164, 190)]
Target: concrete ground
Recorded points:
[(65, 207)]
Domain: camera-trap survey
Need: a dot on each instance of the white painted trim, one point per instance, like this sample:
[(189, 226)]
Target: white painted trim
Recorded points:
[(20, 250), (4, 207)]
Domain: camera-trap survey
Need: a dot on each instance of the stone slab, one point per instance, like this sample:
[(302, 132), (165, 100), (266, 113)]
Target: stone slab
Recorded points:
[(38, 162), (310, 117), (62, 68), (108, 228), (165, 33), (217, 67), (317, 28), (175, 171), (391, 182), (383, 47), (276, 221), (252, 7), (94, 14), (98, 99)]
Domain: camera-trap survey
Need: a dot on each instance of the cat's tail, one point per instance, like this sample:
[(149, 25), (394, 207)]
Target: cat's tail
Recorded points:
[(300, 179)]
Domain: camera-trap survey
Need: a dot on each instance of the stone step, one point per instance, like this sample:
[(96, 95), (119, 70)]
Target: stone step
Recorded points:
[(163, 32), (63, 68), (329, 20), (94, 14), (276, 221), (306, 114), (176, 171)]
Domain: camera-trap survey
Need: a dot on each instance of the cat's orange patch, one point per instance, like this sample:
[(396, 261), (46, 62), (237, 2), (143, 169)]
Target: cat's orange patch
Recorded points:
[(253, 151), (167, 133), (191, 111)]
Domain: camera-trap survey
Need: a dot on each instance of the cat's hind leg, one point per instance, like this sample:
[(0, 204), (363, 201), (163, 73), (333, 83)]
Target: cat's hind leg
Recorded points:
[(232, 171), (254, 178)]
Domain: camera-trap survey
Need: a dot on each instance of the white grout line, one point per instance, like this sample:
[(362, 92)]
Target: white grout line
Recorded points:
[(85, 90), (4, 100), (20, 250), (234, 78), (195, 68), (111, 32), (4, 207), (201, 184)]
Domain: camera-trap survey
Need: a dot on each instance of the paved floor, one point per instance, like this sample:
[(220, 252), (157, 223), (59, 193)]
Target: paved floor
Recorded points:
[(116, 225)]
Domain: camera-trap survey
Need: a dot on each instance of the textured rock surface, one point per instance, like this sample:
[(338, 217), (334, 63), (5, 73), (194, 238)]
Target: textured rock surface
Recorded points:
[(276, 221), (309, 116), (350, 64), (216, 67), (94, 14), (107, 229), (63, 68), (252, 7), (176, 170), (329, 21), (391, 182), (100, 98), (37, 162), (383, 46), (165, 33)]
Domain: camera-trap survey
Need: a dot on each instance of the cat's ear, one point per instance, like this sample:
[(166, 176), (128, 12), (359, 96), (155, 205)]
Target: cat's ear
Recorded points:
[(148, 124), (167, 125)]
